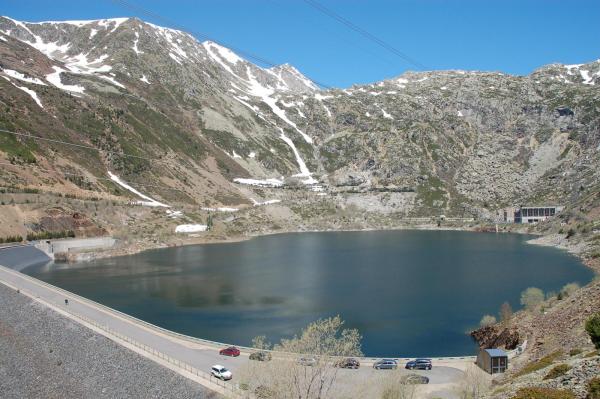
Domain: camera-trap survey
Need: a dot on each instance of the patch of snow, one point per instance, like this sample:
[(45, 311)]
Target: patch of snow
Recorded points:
[(259, 183), (135, 44), (54, 79), (321, 97), (93, 32), (20, 76), (224, 209), (374, 93), (145, 79), (304, 172), (235, 155), (268, 202), (252, 154), (385, 114), (587, 79), (111, 80), (3, 39), (31, 93), (459, 113), (174, 57), (149, 201), (367, 114), (174, 214), (190, 228), (218, 53), (258, 90)]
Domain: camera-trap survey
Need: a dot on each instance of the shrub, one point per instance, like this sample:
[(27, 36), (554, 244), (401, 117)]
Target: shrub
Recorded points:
[(593, 388), (487, 320), (49, 235), (539, 364), (592, 327), (592, 354), (568, 289), (532, 297), (543, 393), (557, 371), (570, 233)]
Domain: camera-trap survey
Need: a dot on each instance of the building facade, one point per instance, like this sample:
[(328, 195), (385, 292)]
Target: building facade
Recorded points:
[(529, 214)]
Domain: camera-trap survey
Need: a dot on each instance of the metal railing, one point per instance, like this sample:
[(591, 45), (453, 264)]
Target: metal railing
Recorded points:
[(201, 341)]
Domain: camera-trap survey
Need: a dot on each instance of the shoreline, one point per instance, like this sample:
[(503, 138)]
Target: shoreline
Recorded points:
[(133, 249)]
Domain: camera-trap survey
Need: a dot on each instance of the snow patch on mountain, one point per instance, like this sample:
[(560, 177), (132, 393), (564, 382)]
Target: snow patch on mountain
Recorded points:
[(260, 183), (20, 76), (54, 79), (135, 44), (31, 93), (148, 200)]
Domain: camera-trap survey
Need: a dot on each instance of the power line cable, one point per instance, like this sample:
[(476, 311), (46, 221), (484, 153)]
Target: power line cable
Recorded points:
[(249, 55), (330, 13)]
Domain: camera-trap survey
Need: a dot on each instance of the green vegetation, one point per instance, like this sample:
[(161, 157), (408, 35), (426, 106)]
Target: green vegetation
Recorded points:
[(557, 371), (571, 233), (487, 320), (543, 393), (575, 352), (49, 235), (567, 290), (540, 364), (532, 297), (593, 388), (592, 327), (9, 239)]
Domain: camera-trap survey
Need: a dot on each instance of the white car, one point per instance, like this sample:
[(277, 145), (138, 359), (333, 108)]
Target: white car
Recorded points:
[(221, 372)]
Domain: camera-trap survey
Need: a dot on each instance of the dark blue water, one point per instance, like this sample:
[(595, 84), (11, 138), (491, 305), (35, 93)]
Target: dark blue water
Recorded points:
[(410, 293)]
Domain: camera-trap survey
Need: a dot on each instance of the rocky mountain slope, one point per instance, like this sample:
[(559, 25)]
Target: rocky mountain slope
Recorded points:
[(191, 123)]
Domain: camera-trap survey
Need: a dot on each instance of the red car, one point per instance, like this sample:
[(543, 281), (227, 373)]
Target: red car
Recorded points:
[(231, 351)]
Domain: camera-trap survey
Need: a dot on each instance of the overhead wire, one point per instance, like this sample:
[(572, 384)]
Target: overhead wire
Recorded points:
[(332, 14)]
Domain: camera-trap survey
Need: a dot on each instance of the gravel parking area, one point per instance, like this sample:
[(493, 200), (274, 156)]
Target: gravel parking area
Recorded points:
[(45, 355)]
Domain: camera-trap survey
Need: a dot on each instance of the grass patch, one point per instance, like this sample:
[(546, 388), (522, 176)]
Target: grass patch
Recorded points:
[(539, 364), (557, 371), (543, 393)]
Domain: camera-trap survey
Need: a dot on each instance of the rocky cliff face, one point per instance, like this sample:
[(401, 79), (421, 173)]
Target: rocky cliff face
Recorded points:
[(207, 127)]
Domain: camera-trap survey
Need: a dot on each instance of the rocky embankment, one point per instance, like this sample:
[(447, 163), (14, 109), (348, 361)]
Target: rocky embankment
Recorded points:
[(45, 355)]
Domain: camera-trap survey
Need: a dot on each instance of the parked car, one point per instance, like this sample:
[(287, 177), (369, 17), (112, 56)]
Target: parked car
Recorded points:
[(348, 363), (231, 351), (260, 356), (385, 364), (307, 361), (415, 379), (221, 372), (419, 364)]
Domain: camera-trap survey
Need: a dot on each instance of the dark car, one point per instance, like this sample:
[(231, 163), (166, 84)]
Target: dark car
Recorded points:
[(231, 351), (385, 364), (419, 364), (348, 363), (261, 356), (414, 379)]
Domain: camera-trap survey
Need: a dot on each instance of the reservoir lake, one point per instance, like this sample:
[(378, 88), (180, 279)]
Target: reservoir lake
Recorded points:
[(408, 292)]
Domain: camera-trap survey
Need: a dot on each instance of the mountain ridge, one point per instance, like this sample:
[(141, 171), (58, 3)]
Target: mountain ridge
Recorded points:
[(218, 131)]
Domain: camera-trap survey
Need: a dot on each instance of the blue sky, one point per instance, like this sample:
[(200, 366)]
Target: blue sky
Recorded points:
[(509, 36)]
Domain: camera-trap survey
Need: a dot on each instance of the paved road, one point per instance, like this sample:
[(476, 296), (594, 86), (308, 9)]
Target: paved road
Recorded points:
[(197, 354)]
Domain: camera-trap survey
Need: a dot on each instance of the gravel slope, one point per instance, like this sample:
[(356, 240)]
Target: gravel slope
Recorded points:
[(45, 355)]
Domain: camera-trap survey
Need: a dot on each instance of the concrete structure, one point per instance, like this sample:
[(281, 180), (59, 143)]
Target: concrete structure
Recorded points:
[(492, 360), (528, 214), (52, 247)]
